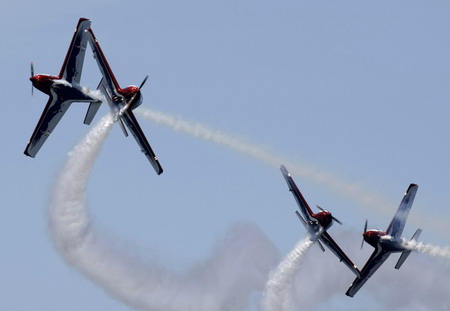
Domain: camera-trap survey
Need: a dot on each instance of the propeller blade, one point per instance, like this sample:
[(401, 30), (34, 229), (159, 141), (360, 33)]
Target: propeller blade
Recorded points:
[(32, 74), (365, 229), (336, 220), (320, 208), (143, 82)]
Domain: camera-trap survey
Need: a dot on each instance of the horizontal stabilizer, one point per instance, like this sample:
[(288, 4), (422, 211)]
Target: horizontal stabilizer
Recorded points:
[(402, 259), (416, 235), (122, 126), (91, 112), (405, 255), (301, 219), (321, 246)]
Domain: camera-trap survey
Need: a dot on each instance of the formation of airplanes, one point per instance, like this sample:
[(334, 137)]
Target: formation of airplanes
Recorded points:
[(65, 89), (384, 242)]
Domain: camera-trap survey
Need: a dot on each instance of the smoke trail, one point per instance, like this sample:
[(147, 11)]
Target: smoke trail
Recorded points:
[(238, 265), (352, 191), (278, 291), (421, 284), (430, 249)]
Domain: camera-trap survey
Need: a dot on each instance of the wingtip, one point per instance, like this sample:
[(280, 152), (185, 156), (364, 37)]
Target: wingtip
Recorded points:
[(28, 154), (411, 186), (284, 170), (349, 293)]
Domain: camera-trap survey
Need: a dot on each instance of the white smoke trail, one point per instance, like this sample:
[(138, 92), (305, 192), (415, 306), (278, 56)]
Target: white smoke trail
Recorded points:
[(97, 94), (238, 266), (430, 249), (277, 295), (352, 191), (422, 283)]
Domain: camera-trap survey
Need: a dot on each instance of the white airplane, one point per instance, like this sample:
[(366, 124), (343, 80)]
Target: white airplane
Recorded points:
[(121, 101), (63, 89), (317, 223), (387, 242)]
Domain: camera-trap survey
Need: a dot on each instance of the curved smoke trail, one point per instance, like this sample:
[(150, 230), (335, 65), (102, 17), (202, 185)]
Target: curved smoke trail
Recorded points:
[(238, 266), (277, 295), (352, 191)]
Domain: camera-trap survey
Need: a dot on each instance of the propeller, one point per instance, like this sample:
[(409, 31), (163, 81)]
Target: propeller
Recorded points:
[(334, 218), (127, 105), (143, 82), (32, 74), (365, 229)]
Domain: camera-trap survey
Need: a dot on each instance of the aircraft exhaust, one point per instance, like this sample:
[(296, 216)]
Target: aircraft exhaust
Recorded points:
[(238, 265), (364, 197), (430, 249), (277, 294), (348, 190)]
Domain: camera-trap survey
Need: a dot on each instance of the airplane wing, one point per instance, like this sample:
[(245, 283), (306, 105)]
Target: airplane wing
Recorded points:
[(302, 204), (52, 114), (109, 80), (133, 125), (375, 261), (73, 63), (397, 224), (332, 245)]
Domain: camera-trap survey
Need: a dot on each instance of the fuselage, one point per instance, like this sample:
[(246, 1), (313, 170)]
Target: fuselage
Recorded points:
[(129, 98), (380, 238), (323, 221), (44, 82)]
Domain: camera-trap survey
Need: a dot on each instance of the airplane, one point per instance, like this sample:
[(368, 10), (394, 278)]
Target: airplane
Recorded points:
[(387, 242), (121, 101), (317, 224), (62, 90)]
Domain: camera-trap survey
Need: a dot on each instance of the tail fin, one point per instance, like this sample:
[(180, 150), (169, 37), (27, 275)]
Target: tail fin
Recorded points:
[(306, 226), (405, 255), (92, 110), (321, 246), (301, 219)]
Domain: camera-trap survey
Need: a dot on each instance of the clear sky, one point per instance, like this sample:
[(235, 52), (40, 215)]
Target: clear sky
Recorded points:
[(357, 89)]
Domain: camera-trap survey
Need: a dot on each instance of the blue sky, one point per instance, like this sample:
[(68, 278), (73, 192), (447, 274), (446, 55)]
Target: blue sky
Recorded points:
[(358, 89)]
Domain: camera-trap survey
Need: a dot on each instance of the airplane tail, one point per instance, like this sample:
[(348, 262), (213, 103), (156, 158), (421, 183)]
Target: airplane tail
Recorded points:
[(301, 219), (405, 254), (306, 227), (91, 112), (94, 106)]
